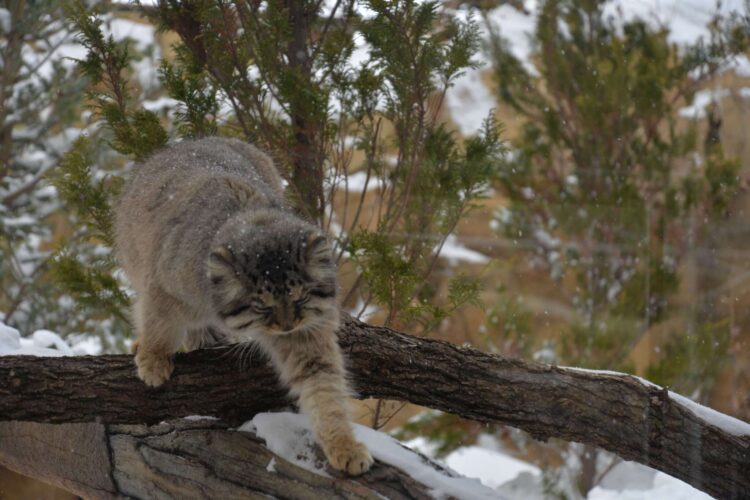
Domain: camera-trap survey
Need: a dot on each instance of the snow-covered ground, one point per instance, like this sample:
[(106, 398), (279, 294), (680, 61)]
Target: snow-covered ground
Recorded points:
[(45, 343), (518, 480), (455, 252)]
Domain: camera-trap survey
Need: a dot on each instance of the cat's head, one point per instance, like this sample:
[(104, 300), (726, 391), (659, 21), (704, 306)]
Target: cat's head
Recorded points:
[(272, 274)]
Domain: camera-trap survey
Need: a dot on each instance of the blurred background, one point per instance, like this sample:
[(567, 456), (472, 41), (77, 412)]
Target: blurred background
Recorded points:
[(559, 181)]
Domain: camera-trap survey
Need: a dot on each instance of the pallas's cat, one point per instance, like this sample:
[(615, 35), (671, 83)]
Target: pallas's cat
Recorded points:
[(208, 243)]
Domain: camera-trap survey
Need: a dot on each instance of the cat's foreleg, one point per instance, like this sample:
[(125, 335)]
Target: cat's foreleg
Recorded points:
[(312, 366), (160, 335)]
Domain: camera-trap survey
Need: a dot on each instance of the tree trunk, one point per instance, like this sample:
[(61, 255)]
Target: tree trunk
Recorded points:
[(307, 122), (620, 413)]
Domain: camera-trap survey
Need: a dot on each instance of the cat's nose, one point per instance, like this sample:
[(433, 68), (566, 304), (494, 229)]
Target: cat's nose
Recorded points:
[(287, 324)]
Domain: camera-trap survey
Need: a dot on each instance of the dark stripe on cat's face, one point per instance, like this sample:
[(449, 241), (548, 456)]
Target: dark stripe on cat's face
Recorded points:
[(236, 311), (323, 293), (244, 325)]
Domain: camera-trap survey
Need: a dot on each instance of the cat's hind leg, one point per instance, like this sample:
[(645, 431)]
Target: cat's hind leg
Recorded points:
[(161, 332)]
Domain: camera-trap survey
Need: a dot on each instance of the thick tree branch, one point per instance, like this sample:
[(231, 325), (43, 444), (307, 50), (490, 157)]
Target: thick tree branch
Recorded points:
[(619, 413), (180, 459)]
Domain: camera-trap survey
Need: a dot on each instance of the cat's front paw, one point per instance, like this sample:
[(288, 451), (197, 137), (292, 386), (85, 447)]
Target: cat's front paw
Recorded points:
[(154, 370), (349, 456)]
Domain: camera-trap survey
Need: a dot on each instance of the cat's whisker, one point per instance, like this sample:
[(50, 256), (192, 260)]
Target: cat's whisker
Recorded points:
[(232, 352)]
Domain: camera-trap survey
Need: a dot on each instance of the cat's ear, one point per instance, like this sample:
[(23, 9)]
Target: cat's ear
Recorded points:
[(320, 264), (220, 264), (226, 287), (317, 249)]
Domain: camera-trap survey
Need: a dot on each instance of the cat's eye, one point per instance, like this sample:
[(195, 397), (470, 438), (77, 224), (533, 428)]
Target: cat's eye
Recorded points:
[(259, 306)]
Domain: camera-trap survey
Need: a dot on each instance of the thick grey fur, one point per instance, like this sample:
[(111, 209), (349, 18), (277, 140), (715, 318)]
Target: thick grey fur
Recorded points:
[(209, 243)]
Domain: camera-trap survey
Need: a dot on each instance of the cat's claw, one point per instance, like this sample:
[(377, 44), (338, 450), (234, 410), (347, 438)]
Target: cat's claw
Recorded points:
[(153, 370), (351, 457)]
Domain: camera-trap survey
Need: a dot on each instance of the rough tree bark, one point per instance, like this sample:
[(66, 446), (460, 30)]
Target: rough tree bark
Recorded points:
[(619, 413), (182, 459)]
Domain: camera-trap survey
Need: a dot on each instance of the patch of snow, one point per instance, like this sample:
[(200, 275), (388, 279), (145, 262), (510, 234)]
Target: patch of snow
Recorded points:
[(455, 252), (160, 104), (142, 34), (517, 28), (363, 312), (46, 338), (740, 65), (12, 344), (547, 353), (248, 426), (701, 100), (48, 191), (85, 345), (29, 349), (146, 70), (356, 182), (627, 476), (525, 486), (546, 239), (606, 372), (469, 101), (10, 339), (271, 467), (422, 445), (519, 480), (687, 20), (40, 158), (504, 215), (491, 467), (636, 485), (39, 343), (61, 142), (724, 422), (5, 19), (289, 436), (664, 486), (196, 418), (361, 52), (20, 221)]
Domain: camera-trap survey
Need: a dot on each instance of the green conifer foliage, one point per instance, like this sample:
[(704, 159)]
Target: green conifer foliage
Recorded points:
[(282, 75), (603, 178), (134, 132), (285, 70), (88, 178), (40, 104), (610, 191)]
